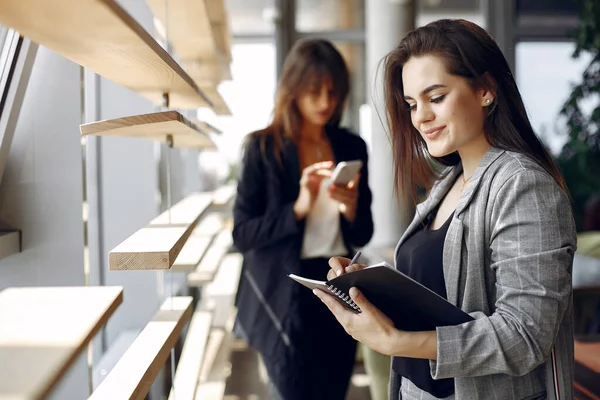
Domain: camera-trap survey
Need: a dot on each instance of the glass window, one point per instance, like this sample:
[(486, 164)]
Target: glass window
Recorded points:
[(326, 15), (545, 73), (251, 16), (250, 97)]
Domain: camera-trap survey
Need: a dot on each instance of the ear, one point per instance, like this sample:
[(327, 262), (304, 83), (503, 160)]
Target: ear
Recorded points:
[(487, 92)]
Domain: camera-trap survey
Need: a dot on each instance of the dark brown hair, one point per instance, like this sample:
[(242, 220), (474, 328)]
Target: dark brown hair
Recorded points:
[(467, 51), (309, 63)]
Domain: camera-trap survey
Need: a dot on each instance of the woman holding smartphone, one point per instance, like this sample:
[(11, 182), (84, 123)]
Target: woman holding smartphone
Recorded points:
[(289, 218), (495, 236)]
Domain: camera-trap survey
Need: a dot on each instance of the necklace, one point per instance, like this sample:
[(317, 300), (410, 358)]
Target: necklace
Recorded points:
[(464, 181)]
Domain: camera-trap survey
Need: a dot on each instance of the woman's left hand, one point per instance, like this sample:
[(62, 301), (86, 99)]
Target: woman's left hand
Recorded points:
[(347, 196), (370, 327)]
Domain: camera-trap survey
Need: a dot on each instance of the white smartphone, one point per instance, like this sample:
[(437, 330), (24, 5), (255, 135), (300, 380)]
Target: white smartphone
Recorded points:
[(345, 171)]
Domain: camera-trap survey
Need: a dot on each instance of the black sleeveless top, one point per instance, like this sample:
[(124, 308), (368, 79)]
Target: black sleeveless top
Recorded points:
[(420, 257)]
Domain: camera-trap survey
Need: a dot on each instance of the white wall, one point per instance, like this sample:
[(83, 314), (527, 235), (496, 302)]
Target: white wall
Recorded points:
[(41, 192), (43, 188)]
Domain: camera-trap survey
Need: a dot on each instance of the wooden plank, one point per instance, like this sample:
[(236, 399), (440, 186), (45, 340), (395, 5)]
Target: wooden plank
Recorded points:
[(192, 355), (206, 270), (136, 371), (157, 245), (220, 293), (155, 126), (198, 243), (207, 73), (216, 367), (43, 330), (102, 36), (189, 29), (219, 105), (224, 195), (10, 243), (206, 127)]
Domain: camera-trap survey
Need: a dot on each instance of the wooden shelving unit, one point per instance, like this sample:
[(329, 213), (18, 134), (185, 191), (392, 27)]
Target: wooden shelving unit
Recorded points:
[(158, 245), (43, 330), (198, 243), (202, 43), (156, 126), (137, 369), (102, 36)]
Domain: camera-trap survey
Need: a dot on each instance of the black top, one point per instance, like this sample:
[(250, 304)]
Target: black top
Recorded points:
[(420, 257)]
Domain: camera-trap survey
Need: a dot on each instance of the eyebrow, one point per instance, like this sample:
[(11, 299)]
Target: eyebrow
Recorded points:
[(427, 90)]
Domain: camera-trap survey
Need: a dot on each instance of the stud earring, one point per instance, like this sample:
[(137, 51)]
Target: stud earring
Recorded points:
[(487, 102)]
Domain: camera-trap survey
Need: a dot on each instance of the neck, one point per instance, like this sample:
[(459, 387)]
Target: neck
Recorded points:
[(312, 132), (472, 154)]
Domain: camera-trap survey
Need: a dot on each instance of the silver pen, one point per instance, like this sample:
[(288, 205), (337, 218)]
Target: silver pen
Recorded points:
[(355, 258)]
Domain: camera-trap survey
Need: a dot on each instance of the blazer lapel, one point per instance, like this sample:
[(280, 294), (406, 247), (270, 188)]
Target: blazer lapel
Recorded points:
[(469, 191)]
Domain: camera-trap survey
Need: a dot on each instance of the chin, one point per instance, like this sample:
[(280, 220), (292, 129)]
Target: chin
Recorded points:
[(438, 151)]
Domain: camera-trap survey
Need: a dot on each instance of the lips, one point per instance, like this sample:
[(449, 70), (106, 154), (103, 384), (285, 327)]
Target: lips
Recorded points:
[(433, 133)]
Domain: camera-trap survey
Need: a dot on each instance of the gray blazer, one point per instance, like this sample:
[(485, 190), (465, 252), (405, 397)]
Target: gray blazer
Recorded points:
[(507, 261)]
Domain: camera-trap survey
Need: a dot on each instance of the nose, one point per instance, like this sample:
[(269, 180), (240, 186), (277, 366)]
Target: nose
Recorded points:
[(422, 114), (324, 99)]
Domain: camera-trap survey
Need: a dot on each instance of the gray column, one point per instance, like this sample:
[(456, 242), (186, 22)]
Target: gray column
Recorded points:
[(285, 30), (387, 21)]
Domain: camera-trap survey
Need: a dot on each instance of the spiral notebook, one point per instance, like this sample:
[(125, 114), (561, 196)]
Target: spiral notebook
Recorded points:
[(409, 304)]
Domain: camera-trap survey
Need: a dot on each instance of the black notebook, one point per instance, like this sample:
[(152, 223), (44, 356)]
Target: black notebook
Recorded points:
[(409, 304)]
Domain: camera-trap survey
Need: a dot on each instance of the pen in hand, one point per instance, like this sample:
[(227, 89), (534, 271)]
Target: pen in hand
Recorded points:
[(355, 258)]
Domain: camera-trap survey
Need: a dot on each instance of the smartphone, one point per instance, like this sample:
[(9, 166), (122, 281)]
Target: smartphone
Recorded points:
[(345, 171)]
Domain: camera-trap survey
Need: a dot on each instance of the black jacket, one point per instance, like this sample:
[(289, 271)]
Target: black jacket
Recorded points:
[(267, 233)]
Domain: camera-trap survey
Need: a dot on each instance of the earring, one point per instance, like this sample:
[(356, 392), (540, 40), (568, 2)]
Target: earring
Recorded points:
[(487, 102)]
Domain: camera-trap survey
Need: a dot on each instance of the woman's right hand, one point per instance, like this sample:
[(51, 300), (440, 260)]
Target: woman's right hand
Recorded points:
[(341, 265), (310, 183)]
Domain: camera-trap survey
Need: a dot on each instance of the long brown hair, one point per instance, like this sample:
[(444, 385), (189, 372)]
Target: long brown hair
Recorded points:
[(467, 51), (309, 63)]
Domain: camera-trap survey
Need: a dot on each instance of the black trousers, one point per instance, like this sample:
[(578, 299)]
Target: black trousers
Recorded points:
[(321, 359)]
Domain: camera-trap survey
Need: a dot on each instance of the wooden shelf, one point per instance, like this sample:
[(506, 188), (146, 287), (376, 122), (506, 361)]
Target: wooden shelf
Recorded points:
[(194, 36), (192, 355), (198, 243), (43, 330), (208, 267), (155, 126), (102, 36), (136, 371), (10, 243), (219, 105), (222, 290), (206, 127), (158, 244)]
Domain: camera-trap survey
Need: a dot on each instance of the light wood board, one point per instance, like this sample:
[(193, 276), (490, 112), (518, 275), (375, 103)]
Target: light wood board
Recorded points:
[(189, 29), (157, 245), (209, 265), (219, 105), (155, 126), (192, 356), (43, 330), (101, 36), (198, 243), (137, 369)]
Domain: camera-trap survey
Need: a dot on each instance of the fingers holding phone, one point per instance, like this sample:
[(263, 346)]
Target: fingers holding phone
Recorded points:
[(310, 183), (347, 196)]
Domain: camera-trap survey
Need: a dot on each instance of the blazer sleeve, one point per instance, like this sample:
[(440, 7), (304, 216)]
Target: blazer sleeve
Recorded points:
[(361, 229), (255, 224), (533, 240)]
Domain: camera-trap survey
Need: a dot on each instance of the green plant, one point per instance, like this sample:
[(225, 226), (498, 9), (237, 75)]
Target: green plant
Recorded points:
[(579, 159)]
